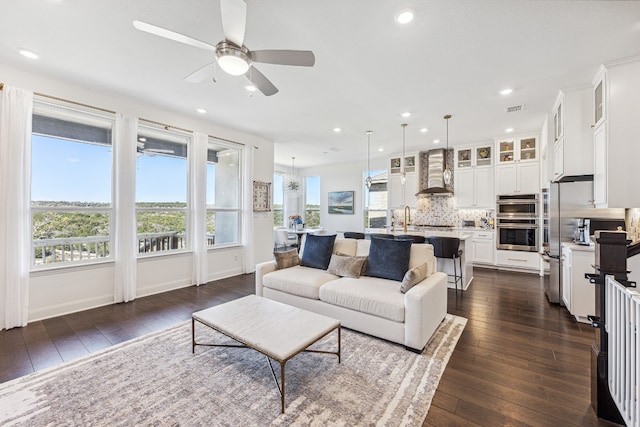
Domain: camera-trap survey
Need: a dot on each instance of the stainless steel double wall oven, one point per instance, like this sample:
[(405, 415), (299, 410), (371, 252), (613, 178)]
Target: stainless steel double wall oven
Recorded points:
[(517, 226)]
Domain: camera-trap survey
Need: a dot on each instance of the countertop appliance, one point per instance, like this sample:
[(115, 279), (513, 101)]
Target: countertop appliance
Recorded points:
[(568, 202)]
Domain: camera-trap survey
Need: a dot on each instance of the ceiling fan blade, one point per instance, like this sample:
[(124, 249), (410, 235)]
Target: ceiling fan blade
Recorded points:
[(263, 84), (171, 35), (201, 74), (234, 18), (302, 58)]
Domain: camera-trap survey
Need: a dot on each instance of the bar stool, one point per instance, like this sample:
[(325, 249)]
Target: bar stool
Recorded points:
[(449, 247), (381, 236), (416, 239), (353, 235)]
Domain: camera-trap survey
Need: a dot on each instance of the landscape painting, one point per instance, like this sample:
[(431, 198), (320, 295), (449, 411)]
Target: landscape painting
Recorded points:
[(341, 202)]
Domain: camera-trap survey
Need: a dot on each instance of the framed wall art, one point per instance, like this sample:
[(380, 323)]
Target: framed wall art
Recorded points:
[(261, 196), (341, 202)]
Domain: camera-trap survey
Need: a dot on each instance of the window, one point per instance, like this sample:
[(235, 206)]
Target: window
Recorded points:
[(312, 201), (161, 190), (223, 194), (71, 174), (278, 200), (375, 212)]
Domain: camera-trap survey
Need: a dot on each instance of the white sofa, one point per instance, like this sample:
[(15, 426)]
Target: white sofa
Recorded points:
[(371, 305)]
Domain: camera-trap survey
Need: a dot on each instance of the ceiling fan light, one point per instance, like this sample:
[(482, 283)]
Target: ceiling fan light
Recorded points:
[(233, 65)]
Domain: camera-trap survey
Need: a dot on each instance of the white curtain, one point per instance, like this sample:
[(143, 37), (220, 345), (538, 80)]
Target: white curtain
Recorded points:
[(247, 209), (198, 159), (125, 241), (16, 109)]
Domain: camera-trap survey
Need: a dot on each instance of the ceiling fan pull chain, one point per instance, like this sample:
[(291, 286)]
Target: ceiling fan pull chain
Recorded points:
[(215, 72)]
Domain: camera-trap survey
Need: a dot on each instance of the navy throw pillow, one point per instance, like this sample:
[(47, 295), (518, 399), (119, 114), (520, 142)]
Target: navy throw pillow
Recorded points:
[(317, 251), (388, 258)]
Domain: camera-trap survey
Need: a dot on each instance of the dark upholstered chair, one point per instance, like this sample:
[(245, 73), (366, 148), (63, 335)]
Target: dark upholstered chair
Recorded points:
[(416, 239), (448, 247), (381, 236), (353, 235)]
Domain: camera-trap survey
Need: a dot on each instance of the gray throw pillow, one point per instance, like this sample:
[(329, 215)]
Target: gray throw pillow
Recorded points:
[(346, 266), (413, 277), (317, 251), (286, 259)]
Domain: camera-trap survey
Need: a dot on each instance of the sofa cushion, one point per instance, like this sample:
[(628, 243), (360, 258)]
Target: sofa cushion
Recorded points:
[(388, 258), (363, 247), (286, 259), (420, 253), (378, 297), (298, 280), (413, 277), (317, 251), (346, 266)]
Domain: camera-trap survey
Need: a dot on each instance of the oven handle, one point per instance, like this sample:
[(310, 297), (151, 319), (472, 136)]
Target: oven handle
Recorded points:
[(517, 202), (532, 226)]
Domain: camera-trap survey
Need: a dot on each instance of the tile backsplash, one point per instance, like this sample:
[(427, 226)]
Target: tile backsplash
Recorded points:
[(441, 210)]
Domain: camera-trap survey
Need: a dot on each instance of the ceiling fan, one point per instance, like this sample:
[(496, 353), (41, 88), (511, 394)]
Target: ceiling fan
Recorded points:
[(140, 150), (232, 56)]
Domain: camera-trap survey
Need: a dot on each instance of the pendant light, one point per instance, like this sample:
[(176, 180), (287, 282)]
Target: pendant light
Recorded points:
[(403, 175), (447, 172), (368, 181), (293, 186)]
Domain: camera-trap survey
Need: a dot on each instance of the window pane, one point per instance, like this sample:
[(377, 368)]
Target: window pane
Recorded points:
[(278, 200), (161, 190), (376, 200), (312, 207), (224, 225), (71, 163), (223, 176)]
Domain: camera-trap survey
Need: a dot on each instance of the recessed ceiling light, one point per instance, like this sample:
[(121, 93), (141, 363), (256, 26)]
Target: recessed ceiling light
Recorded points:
[(436, 141), (508, 130), (405, 16), (424, 130), (506, 91), (142, 139), (201, 110), (406, 114), (28, 54), (380, 149), (251, 88), (337, 130)]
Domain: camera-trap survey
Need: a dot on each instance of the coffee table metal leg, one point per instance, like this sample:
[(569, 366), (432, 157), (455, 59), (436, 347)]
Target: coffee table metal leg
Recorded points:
[(193, 336), (282, 364)]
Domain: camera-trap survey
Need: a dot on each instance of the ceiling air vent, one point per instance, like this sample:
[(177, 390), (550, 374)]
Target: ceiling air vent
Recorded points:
[(515, 108)]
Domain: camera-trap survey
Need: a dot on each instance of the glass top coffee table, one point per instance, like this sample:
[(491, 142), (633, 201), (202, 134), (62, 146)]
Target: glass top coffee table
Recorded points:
[(277, 330)]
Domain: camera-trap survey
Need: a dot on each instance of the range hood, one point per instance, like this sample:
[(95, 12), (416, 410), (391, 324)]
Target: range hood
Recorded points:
[(435, 168)]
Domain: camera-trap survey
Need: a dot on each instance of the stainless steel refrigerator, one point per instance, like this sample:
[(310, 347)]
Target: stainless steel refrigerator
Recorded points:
[(568, 201)]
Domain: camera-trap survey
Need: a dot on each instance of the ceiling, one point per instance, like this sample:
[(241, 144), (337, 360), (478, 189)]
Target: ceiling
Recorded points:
[(453, 59)]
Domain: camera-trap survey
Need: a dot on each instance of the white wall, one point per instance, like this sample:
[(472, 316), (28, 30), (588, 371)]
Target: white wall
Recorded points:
[(343, 177), (66, 290)]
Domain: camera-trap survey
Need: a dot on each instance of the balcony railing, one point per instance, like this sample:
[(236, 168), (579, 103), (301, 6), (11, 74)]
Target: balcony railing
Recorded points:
[(71, 249)]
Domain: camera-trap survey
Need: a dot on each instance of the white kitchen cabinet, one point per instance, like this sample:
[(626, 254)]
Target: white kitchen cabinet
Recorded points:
[(474, 177), (517, 167), (578, 294), (484, 245), (399, 196), (573, 144), (616, 133), (518, 259)]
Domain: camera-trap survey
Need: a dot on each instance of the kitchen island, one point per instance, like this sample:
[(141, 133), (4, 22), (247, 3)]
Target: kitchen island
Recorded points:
[(444, 265)]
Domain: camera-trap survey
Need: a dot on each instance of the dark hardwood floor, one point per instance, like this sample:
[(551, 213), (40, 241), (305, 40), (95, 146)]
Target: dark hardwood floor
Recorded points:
[(520, 361)]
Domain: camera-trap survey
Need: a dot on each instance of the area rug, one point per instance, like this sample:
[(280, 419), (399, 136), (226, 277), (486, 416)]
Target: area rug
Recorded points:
[(156, 380)]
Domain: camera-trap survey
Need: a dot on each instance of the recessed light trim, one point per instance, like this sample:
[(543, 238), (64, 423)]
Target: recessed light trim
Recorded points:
[(405, 16), (28, 54), (508, 130), (436, 141), (201, 110), (337, 130), (506, 91), (142, 139), (424, 130), (406, 114), (381, 149)]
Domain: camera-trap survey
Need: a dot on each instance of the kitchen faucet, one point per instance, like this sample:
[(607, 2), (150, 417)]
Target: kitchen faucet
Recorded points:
[(407, 217)]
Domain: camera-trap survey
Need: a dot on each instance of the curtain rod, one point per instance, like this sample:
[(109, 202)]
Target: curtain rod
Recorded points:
[(166, 126)]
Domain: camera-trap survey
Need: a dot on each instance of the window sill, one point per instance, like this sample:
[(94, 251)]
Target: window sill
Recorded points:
[(68, 268)]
